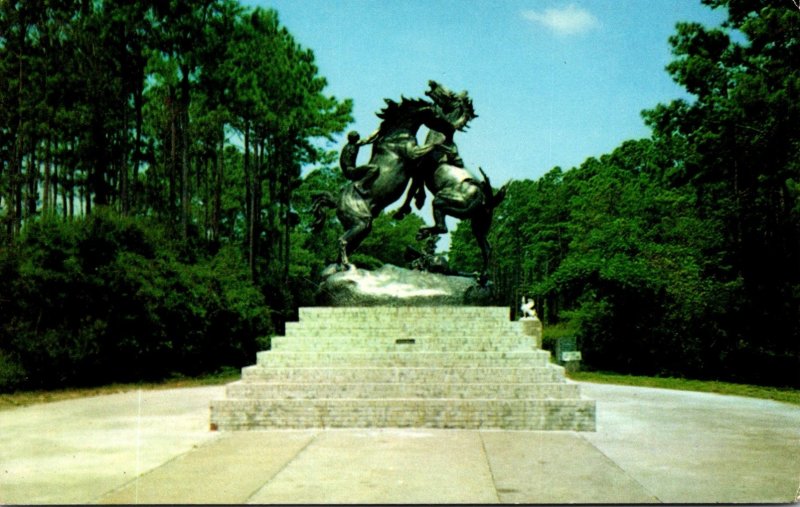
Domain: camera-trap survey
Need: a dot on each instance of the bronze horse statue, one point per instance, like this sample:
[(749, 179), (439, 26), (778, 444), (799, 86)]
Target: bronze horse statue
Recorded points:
[(456, 192), (395, 157)]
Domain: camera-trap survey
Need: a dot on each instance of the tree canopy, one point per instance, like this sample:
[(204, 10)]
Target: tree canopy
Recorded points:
[(158, 162), (678, 254), (191, 120)]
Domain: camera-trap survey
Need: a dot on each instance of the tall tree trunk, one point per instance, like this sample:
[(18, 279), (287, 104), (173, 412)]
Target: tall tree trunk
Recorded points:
[(15, 188), (216, 216), (47, 177), (138, 105), (15, 201), (205, 183), (69, 175), (272, 181), (96, 182), (87, 193), (255, 207), (58, 184), (64, 182), (184, 112), (56, 181), (256, 195), (249, 213), (124, 189), (173, 153), (286, 238), (32, 193)]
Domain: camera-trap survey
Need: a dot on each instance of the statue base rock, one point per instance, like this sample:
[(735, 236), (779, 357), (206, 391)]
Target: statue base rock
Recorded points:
[(394, 286)]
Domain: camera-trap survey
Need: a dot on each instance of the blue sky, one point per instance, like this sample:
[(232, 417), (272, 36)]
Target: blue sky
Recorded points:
[(553, 82)]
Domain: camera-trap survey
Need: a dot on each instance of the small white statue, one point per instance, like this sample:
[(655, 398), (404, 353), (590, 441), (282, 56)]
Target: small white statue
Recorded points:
[(527, 309)]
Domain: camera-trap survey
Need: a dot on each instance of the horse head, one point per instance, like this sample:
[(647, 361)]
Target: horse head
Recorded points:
[(456, 107)]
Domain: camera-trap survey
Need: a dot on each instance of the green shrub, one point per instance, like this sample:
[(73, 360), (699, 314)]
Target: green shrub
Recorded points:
[(107, 299), (12, 374), (551, 333)]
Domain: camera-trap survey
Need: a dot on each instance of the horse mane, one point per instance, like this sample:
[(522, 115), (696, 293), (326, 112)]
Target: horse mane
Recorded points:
[(394, 110), (468, 111)]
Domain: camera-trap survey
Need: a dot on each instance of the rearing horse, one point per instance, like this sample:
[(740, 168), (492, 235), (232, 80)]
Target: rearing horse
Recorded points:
[(456, 192), (395, 154)]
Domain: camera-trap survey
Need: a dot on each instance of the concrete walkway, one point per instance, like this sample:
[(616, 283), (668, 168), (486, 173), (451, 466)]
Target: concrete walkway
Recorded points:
[(651, 445)]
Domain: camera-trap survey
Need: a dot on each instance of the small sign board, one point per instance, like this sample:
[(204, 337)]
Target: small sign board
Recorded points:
[(571, 355)]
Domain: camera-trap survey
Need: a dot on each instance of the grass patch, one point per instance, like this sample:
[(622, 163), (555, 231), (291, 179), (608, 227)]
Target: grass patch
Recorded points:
[(25, 398), (784, 394)]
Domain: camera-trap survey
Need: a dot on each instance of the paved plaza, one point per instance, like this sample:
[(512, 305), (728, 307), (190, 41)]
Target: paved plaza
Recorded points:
[(651, 445)]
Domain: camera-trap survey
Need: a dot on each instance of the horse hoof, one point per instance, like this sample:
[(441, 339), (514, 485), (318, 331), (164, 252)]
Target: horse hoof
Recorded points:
[(331, 270), (401, 213)]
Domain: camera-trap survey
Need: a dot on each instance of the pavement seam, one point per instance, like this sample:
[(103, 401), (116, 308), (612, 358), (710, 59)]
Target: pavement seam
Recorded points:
[(606, 456), (136, 479), (281, 469), (489, 465), (797, 495)]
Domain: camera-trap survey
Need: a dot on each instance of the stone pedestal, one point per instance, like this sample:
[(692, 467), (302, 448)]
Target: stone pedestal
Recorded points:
[(532, 327), (426, 367), (393, 286)]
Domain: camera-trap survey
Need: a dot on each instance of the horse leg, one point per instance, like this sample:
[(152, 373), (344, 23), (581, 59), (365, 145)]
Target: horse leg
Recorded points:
[(350, 240), (444, 205), (439, 226), (415, 191), (480, 230)]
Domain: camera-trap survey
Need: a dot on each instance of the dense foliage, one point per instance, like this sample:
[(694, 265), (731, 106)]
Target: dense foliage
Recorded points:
[(153, 217), (107, 299), (678, 254), (150, 157)]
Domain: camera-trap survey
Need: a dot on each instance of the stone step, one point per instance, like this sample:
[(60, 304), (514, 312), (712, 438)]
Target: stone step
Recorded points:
[(403, 344), (273, 358), (313, 332), (524, 375), (434, 367), (571, 415), (438, 323), (395, 314), (403, 317), (370, 330), (397, 333), (488, 390), (367, 318)]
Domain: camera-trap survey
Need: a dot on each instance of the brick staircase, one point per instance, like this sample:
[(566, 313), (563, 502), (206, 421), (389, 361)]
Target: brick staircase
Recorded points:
[(433, 367)]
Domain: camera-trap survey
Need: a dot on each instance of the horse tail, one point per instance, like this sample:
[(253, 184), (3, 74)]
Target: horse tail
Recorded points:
[(492, 200), (321, 202), (486, 187)]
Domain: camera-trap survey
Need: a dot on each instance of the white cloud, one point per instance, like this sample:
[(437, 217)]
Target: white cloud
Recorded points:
[(569, 20)]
